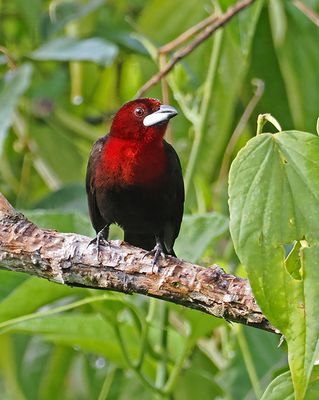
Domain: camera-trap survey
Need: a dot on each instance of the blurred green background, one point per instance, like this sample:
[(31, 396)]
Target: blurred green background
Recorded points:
[(66, 66)]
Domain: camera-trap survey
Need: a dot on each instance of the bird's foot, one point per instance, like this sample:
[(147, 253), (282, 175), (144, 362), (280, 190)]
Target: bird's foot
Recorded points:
[(99, 241), (157, 253)]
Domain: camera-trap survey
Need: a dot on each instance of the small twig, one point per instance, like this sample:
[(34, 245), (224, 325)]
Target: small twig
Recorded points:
[(249, 362), (68, 259), (168, 47), (221, 21), (11, 63), (311, 14)]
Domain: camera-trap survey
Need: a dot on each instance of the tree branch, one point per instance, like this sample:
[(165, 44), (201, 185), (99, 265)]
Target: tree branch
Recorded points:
[(68, 259), (217, 23), (311, 14)]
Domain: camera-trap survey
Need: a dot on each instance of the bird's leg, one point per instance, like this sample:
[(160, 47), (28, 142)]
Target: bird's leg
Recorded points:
[(157, 252), (101, 239)]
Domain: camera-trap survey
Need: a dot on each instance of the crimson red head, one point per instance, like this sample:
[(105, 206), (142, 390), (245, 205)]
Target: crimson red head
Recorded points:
[(142, 119)]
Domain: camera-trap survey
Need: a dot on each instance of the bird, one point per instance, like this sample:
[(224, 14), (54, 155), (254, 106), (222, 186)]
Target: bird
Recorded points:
[(134, 179)]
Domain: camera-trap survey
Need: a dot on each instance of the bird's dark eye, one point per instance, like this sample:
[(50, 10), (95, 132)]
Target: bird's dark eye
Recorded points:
[(139, 111)]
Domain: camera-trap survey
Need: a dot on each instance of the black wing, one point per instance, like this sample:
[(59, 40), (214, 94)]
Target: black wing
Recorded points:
[(176, 194), (96, 218)]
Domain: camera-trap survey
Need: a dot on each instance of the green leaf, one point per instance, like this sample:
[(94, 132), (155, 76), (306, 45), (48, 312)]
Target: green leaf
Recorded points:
[(16, 83), (265, 357), (196, 382), (63, 12), (274, 201), (8, 367), (9, 281), (282, 388), (300, 37), (199, 324), (32, 294), (160, 20), (293, 262), (68, 198), (90, 332), (59, 153), (96, 50), (30, 12), (237, 39), (278, 20), (55, 371), (126, 386), (61, 221), (264, 65), (198, 231)]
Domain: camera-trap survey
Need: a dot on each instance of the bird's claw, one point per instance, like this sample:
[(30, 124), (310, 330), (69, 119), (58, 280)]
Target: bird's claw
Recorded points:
[(157, 253), (99, 241)]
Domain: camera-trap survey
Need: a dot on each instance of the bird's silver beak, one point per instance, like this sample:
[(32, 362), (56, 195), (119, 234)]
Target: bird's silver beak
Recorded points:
[(163, 114)]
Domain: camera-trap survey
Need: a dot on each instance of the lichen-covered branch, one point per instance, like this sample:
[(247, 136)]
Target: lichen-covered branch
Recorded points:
[(67, 259)]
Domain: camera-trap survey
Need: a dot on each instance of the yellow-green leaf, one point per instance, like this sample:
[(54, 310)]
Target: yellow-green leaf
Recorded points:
[(274, 201)]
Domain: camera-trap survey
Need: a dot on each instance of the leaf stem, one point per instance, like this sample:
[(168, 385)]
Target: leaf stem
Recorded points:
[(131, 364), (105, 390), (178, 366), (144, 333), (162, 365), (56, 310), (8, 369), (251, 370), (135, 366)]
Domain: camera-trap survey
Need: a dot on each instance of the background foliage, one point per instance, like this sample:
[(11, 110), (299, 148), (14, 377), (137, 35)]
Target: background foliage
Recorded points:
[(66, 66)]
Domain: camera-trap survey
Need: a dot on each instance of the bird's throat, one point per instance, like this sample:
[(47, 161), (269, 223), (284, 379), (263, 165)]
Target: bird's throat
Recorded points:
[(132, 162)]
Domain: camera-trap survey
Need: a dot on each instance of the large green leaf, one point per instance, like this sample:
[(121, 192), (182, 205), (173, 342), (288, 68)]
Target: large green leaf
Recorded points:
[(97, 50), (198, 231), (197, 382), (198, 324), (54, 372), (16, 83), (30, 12), (68, 198), (65, 11), (296, 42), (59, 153), (163, 22), (264, 65), (61, 221), (265, 358), (282, 388), (90, 332), (32, 294), (233, 56), (126, 386), (9, 281), (8, 368), (274, 201)]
